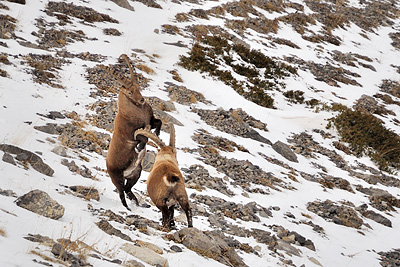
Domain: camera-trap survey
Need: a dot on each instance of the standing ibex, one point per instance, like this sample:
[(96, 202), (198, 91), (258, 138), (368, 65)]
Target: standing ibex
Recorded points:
[(126, 151), (166, 184)]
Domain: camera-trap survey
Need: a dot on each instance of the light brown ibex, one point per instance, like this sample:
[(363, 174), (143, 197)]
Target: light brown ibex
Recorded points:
[(126, 151), (166, 184)]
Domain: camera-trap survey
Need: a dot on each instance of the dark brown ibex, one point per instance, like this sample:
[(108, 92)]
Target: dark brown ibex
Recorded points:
[(166, 184), (126, 152)]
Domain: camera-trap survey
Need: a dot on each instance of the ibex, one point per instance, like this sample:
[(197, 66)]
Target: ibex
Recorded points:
[(166, 184), (126, 151)]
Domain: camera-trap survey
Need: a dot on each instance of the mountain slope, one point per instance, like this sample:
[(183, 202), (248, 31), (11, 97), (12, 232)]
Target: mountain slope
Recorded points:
[(251, 86)]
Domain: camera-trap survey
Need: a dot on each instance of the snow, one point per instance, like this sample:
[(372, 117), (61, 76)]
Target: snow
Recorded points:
[(21, 100)]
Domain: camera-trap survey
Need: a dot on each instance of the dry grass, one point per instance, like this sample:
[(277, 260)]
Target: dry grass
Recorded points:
[(145, 68), (3, 232)]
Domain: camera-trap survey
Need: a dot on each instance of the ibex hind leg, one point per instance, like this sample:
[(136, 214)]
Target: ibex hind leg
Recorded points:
[(132, 175), (165, 217), (171, 216), (188, 211)]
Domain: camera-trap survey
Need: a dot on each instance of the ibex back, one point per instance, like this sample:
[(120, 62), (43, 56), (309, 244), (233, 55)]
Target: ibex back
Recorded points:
[(125, 153), (166, 184)]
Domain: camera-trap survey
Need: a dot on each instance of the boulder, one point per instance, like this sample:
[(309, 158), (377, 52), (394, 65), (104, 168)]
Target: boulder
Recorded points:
[(41, 203), (285, 151), (145, 254)]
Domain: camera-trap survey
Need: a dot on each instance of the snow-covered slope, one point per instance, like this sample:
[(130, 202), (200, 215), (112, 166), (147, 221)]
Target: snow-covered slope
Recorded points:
[(270, 207)]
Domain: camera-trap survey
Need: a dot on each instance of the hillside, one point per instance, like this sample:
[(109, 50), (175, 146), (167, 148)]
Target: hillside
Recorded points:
[(287, 131)]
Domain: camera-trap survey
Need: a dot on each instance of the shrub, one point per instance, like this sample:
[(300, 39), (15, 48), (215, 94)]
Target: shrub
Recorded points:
[(217, 51), (367, 135)]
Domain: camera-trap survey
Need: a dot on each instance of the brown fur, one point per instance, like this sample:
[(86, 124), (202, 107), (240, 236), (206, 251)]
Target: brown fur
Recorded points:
[(166, 184), (126, 152)]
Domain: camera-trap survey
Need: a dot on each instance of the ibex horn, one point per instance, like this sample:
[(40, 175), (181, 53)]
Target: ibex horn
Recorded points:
[(152, 136)]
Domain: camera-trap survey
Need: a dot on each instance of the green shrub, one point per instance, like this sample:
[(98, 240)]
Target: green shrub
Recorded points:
[(367, 135), (213, 51)]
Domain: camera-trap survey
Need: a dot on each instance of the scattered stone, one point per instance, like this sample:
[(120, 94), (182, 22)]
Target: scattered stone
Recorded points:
[(41, 203), (380, 199), (285, 151), (183, 95), (63, 10), (230, 209), (83, 170), (390, 258), (232, 122), (342, 215), (197, 177), (369, 104), (25, 157), (206, 139)]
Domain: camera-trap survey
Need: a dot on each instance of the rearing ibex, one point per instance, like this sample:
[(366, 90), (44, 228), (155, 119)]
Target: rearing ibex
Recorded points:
[(126, 151), (166, 184)]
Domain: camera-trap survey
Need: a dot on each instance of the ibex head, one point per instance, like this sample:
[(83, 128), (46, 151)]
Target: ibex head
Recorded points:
[(131, 87)]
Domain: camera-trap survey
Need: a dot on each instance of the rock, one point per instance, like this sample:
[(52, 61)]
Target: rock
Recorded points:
[(145, 254), (208, 245), (232, 122), (26, 156), (8, 193), (87, 193), (390, 258), (22, 2), (124, 4), (149, 246), (41, 203), (370, 214), (175, 248), (148, 161), (49, 128), (59, 150), (8, 158), (291, 250), (342, 215), (109, 229), (285, 151)]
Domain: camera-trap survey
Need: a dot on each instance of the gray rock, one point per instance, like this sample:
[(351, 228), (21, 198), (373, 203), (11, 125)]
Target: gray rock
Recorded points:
[(85, 192), (145, 254), (49, 128), (148, 161), (59, 150), (28, 157), (285, 151), (124, 4), (208, 245), (109, 229), (8, 158), (41, 203)]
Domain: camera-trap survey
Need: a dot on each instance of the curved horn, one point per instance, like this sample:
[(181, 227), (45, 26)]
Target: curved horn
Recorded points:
[(122, 80), (133, 77), (171, 134), (152, 136)]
